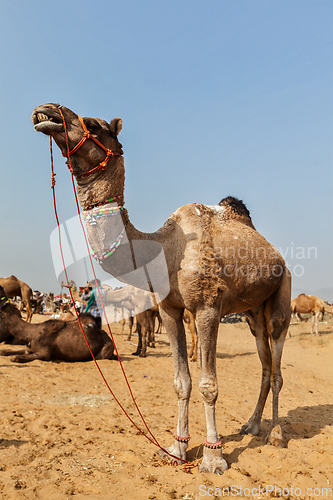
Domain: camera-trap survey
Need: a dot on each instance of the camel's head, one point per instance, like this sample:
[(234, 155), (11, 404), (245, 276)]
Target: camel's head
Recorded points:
[(68, 284), (4, 302), (47, 119), (3, 296)]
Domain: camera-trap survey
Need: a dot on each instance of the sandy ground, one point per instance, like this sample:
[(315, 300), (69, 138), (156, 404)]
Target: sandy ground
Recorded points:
[(63, 436)]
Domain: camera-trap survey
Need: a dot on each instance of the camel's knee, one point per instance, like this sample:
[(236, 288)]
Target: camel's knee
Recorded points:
[(266, 379), (278, 327), (182, 387), (276, 382), (209, 390)]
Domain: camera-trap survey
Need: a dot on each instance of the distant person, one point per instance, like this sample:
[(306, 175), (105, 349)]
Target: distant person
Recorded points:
[(93, 306)]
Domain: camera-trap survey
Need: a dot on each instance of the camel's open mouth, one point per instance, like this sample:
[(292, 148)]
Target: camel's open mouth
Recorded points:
[(47, 123)]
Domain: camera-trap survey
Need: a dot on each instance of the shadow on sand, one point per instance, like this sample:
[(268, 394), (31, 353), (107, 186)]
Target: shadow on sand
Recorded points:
[(6, 443), (303, 422)]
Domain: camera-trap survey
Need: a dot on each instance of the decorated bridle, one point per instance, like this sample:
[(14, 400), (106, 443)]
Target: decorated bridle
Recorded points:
[(86, 135), (92, 212), (3, 302)]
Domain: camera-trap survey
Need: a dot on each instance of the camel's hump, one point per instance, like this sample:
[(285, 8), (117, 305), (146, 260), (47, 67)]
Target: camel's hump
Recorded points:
[(236, 206)]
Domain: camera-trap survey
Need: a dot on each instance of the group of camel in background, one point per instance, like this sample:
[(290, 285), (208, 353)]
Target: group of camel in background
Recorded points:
[(130, 303)]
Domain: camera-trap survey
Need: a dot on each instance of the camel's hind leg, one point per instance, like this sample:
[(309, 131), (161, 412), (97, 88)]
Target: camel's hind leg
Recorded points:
[(28, 308), (107, 352), (256, 321), (277, 314), (314, 323), (269, 323), (172, 320), (208, 319), (130, 320), (159, 326), (151, 328)]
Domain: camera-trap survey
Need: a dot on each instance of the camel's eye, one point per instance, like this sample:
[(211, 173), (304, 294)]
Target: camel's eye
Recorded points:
[(92, 125)]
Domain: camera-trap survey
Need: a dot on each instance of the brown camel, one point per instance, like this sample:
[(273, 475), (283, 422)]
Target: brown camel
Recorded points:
[(54, 339), (6, 336), (17, 288), (207, 259), (310, 304), (142, 304), (71, 285), (328, 308)]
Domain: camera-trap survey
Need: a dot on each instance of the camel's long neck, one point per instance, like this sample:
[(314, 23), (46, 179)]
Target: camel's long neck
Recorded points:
[(103, 185), (134, 249), (75, 294), (16, 325)]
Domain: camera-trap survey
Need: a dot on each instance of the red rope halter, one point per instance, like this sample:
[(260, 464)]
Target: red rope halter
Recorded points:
[(152, 439), (87, 135)]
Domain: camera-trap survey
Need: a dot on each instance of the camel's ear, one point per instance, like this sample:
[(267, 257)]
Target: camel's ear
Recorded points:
[(116, 125)]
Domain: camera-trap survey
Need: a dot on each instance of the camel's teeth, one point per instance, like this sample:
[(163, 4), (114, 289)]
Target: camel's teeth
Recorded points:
[(43, 118)]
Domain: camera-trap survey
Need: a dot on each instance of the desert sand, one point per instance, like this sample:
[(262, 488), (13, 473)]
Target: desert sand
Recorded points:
[(63, 436)]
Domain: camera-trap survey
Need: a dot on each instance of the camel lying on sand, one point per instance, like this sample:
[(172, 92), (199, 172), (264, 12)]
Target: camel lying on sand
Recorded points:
[(54, 339), (207, 259), (310, 304), (17, 288), (6, 336)]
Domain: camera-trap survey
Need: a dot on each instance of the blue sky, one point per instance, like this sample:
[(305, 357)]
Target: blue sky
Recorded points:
[(217, 98)]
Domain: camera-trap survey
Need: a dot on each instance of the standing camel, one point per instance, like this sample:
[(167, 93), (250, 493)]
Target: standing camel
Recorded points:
[(17, 288), (71, 285), (216, 264), (140, 302), (310, 304)]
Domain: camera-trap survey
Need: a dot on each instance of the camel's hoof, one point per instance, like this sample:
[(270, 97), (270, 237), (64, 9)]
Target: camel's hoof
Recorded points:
[(249, 428), (275, 437), (178, 452), (19, 359), (142, 355), (136, 353), (165, 456), (214, 466), (152, 344)]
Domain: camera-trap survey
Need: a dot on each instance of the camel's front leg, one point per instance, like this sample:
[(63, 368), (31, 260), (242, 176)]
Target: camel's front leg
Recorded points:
[(194, 337), (142, 320), (207, 325), (172, 320), (8, 352), (44, 354), (314, 323), (139, 332)]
